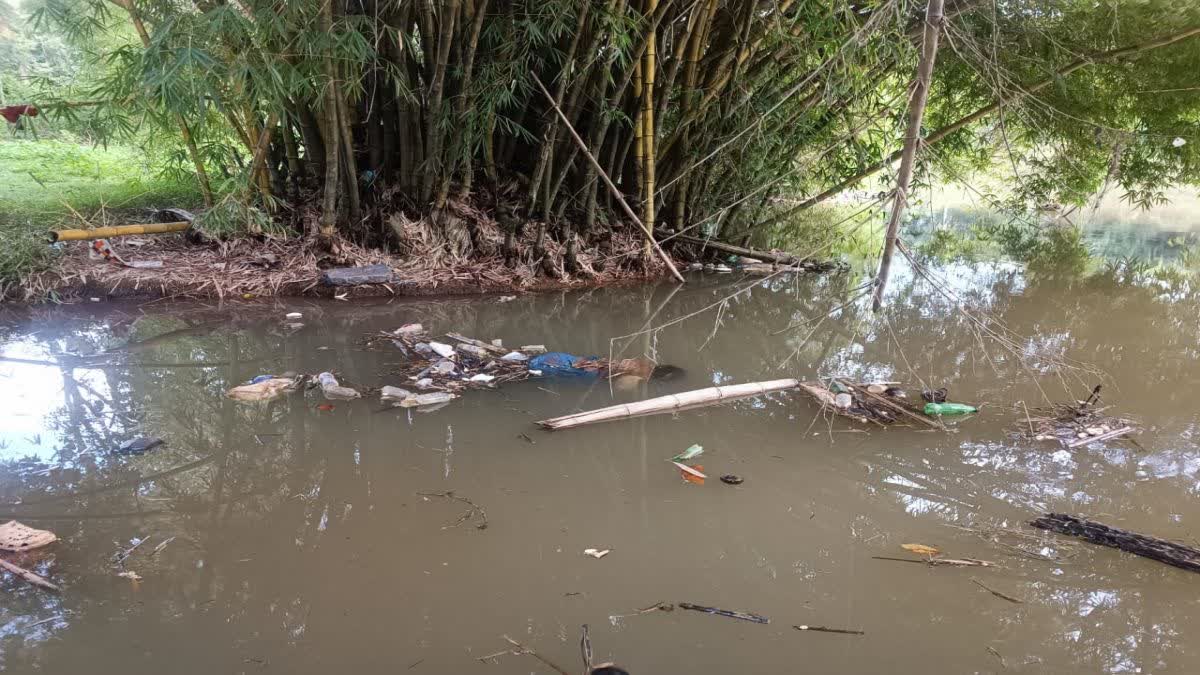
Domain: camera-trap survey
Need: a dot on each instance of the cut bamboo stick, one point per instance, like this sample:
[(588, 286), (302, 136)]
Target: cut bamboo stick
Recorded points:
[(669, 403), (117, 231)]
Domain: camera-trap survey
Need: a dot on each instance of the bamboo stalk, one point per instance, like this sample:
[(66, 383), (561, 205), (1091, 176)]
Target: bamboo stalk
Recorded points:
[(607, 181), (117, 231), (331, 137), (648, 211), (670, 403), (912, 139)]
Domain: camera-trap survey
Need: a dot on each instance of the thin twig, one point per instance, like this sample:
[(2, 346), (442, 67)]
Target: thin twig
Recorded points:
[(474, 510), (824, 629), (997, 593), (585, 649), (160, 547), (526, 650), (121, 556)]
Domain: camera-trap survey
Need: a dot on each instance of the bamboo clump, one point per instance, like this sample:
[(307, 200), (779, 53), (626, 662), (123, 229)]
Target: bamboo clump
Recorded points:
[(669, 403)]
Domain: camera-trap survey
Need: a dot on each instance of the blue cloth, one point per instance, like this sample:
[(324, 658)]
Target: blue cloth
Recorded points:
[(560, 363)]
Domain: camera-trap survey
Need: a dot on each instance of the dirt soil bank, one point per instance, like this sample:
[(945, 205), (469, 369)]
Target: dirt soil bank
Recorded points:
[(247, 268)]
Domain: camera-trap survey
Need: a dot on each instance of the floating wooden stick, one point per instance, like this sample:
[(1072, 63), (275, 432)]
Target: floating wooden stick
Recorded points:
[(670, 403), (486, 346), (522, 649), (473, 511), (934, 562), (996, 593), (31, 577), (1184, 557), (825, 629), (744, 616)]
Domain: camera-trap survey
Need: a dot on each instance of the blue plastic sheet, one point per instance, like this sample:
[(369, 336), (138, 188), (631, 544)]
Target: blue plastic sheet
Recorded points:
[(560, 363)]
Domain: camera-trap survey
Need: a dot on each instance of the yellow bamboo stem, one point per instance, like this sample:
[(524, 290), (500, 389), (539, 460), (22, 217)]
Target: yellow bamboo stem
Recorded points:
[(648, 124), (117, 231)]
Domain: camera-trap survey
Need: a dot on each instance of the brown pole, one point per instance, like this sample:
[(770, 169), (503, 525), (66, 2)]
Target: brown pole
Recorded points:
[(912, 140)]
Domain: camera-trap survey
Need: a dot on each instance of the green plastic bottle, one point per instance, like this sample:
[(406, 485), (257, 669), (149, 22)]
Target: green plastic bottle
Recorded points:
[(949, 409)]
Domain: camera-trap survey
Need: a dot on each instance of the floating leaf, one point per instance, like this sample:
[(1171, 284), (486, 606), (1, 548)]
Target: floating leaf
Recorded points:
[(920, 549), (690, 453)]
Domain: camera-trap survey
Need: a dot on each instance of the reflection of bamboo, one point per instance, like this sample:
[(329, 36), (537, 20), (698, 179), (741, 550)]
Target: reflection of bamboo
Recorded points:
[(134, 482)]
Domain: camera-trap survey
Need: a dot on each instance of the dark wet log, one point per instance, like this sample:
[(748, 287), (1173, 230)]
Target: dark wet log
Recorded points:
[(1139, 544)]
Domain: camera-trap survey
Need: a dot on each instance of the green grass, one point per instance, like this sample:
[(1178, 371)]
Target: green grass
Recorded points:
[(43, 181)]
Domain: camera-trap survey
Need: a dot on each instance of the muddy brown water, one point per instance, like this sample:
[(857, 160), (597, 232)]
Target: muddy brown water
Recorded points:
[(300, 543)]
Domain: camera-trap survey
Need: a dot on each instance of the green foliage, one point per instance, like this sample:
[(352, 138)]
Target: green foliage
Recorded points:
[(787, 99), (45, 183)]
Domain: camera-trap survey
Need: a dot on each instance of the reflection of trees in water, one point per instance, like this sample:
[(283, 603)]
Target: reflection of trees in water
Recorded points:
[(217, 486)]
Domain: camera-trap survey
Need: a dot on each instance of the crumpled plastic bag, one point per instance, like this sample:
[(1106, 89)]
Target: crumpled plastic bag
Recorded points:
[(263, 390)]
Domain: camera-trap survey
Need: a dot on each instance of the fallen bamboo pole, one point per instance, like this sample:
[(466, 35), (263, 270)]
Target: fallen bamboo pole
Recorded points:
[(1184, 557), (117, 231), (670, 403)]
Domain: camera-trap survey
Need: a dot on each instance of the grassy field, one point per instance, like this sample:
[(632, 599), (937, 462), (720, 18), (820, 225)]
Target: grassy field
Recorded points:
[(44, 183)]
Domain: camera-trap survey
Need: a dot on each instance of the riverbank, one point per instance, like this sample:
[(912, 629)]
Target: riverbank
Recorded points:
[(269, 267)]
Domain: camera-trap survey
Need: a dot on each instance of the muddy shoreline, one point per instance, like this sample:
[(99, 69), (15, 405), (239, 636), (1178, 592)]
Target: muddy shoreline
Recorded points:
[(273, 268), (248, 269)]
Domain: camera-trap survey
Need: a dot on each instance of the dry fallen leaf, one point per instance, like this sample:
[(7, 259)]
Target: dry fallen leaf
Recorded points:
[(920, 549)]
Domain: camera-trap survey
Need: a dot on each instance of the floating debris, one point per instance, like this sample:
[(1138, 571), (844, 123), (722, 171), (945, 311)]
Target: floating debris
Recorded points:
[(1076, 424), (264, 390), (18, 537), (744, 616), (334, 391), (691, 453)]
